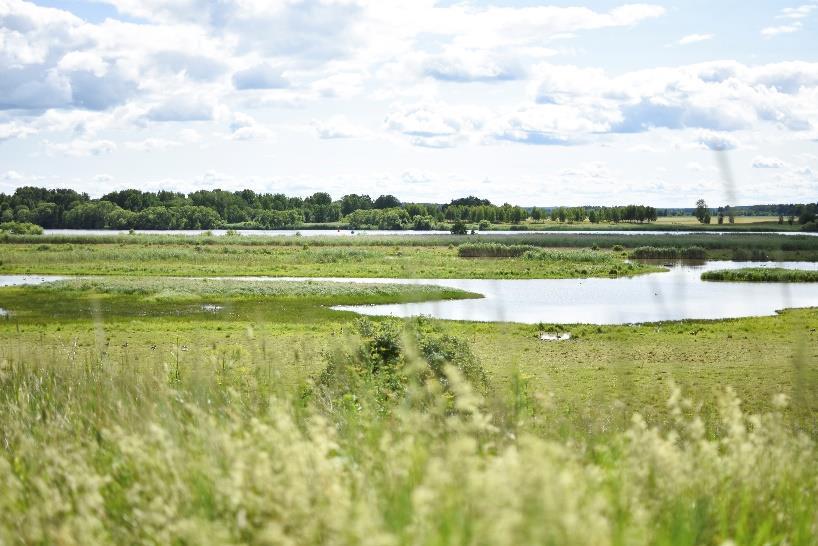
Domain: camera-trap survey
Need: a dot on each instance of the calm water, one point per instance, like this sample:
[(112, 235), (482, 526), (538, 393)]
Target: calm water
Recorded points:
[(349, 233), (673, 295)]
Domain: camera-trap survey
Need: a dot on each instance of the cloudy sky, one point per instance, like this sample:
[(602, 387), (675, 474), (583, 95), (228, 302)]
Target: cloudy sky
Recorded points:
[(516, 100)]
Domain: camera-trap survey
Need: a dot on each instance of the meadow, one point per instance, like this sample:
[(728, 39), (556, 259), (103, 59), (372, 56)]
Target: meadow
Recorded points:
[(142, 407)]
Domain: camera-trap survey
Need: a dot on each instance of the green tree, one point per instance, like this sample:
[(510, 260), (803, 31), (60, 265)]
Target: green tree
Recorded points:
[(702, 213)]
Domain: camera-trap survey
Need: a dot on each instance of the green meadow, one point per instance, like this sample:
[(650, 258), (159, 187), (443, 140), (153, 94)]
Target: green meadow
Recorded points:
[(145, 404)]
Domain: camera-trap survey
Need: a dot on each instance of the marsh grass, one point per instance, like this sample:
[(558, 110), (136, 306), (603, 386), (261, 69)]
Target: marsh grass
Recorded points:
[(305, 260), (761, 274)]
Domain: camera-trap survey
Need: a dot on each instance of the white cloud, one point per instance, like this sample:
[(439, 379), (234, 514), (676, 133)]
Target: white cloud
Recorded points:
[(12, 130), (181, 108), (762, 162), (84, 148), (769, 32), (799, 12), (435, 125), (152, 144), (695, 38), (718, 142), (261, 76), (245, 127), (337, 127), (12, 176)]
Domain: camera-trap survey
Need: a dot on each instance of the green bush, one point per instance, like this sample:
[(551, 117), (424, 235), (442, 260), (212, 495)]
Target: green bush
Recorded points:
[(389, 357), (21, 228)]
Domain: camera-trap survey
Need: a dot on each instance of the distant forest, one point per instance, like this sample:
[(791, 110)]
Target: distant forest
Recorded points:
[(246, 209)]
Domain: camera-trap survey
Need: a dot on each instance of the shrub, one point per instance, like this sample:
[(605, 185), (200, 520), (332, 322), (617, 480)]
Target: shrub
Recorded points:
[(21, 228), (459, 228), (389, 358)]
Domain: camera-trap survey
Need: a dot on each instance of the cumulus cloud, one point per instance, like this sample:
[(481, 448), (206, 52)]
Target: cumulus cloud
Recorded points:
[(152, 144), (84, 148), (769, 32), (245, 127), (181, 108), (261, 76), (435, 125), (799, 12), (695, 38), (13, 130), (722, 96), (718, 142), (12, 176), (337, 127), (762, 162)]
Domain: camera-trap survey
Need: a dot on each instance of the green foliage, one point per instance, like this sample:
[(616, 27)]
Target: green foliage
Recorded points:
[(702, 213), (761, 274), (390, 357), (669, 253), (393, 218), (20, 228), (492, 250), (459, 228)]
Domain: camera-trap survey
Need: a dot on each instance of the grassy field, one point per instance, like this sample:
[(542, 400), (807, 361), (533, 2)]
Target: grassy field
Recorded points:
[(762, 274), (132, 413), (310, 260), (431, 256), (145, 405)]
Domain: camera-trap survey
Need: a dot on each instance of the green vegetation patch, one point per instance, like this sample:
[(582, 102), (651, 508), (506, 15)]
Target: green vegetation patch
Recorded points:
[(229, 256), (669, 253), (761, 274)]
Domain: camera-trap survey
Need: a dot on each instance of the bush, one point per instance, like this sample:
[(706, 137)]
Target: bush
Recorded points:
[(389, 358), (459, 228), (810, 227), (484, 225), (21, 228)]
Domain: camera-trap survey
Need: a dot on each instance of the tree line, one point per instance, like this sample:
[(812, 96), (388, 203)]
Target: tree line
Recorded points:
[(247, 209)]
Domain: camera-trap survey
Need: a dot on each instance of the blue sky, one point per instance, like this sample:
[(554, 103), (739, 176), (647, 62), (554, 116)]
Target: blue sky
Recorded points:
[(522, 101)]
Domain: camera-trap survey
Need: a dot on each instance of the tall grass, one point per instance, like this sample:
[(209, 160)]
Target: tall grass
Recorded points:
[(761, 274), (669, 253), (407, 450), (760, 241)]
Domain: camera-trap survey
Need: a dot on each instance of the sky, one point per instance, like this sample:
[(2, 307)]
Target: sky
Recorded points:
[(520, 101)]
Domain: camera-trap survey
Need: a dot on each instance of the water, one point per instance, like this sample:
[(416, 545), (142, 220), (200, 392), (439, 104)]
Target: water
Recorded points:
[(376, 232), (20, 280), (674, 295)]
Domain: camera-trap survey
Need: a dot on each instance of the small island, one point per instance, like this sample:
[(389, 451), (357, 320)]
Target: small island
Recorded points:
[(761, 274)]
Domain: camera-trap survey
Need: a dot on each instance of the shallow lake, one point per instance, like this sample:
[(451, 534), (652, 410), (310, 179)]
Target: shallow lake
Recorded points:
[(376, 232), (673, 295)]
